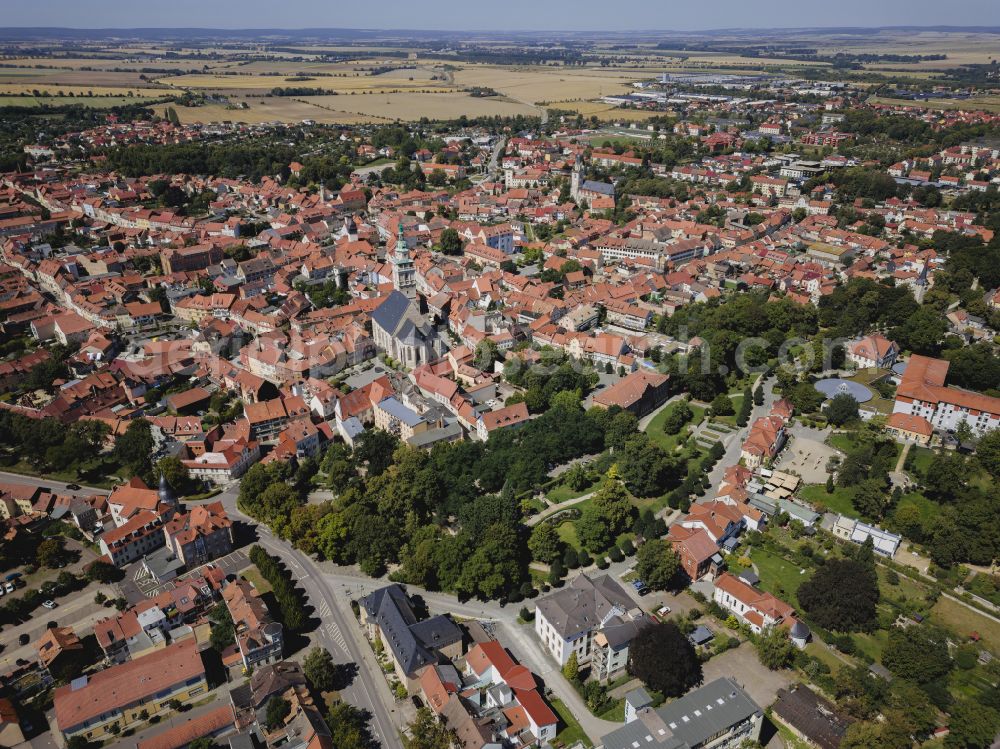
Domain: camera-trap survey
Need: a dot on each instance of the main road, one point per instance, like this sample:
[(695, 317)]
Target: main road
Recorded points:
[(338, 631)]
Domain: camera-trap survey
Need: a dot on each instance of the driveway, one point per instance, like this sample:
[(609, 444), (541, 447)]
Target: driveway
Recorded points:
[(742, 666)]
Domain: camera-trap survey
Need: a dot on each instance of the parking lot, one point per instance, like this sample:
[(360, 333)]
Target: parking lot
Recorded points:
[(742, 666)]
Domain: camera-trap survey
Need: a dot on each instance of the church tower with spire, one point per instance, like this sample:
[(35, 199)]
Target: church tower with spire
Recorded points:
[(404, 274)]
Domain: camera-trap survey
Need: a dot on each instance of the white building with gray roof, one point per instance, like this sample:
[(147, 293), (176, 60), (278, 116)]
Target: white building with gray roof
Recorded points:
[(719, 714)]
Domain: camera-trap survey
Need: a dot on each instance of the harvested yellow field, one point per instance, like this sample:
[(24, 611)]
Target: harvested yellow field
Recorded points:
[(412, 106), (605, 112), (57, 89), (364, 83), (542, 85), (273, 110)]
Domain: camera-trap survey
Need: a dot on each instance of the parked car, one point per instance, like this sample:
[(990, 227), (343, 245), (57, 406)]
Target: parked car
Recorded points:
[(8, 587), (663, 610), (73, 487), (640, 587), (50, 604), (23, 639)]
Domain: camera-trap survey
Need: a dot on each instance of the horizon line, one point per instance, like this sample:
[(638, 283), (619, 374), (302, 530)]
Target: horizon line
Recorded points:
[(321, 29)]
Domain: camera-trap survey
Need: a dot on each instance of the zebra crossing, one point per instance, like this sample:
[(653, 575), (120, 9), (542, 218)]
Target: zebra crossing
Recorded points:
[(330, 627)]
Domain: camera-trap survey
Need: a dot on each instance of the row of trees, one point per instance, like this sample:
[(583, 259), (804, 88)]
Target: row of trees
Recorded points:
[(290, 605)]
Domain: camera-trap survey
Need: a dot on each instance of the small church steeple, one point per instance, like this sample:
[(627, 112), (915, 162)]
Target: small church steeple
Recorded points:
[(166, 492)]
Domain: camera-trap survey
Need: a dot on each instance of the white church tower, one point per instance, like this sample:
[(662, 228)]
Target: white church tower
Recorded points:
[(404, 274)]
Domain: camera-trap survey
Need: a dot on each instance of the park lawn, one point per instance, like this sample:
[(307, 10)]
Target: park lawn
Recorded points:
[(928, 508), (737, 400), (778, 575), (964, 621), (822, 653), (839, 501), (571, 731), (907, 587), (669, 442), (841, 440), (561, 493), (252, 574), (567, 534), (871, 645)]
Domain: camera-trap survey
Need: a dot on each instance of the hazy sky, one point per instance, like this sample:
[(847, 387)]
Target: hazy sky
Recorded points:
[(502, 15)]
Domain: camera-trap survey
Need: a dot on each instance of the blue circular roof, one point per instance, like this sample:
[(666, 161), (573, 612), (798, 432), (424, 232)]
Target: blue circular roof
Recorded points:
[(835, 386)]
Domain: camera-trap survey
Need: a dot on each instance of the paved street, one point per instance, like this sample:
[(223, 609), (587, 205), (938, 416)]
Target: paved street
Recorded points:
[(338, 632), (60, 486)]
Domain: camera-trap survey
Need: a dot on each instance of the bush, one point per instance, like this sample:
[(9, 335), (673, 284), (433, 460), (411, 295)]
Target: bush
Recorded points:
[(616, 554), (571, 559), (526, 614), (602, 563), (627, 547), (584, 558), (845, 644)]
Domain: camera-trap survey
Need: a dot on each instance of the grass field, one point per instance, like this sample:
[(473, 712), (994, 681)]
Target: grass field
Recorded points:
[(252, 574), (669, 442), (964, 622), (779, 576), (839, 501), (570, 730)]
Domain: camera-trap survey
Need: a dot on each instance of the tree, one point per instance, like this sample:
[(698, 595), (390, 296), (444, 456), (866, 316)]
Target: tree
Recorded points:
[(841, 596), (664, 659), (223, 632), (722, 405), (678, 415), (657, 564), (829, 484), (645, 467), (612, 505), (774, 648), (50, 552), (571, 670), (758, 396), (175, 472), (278, 709), (620, 428), (103, 572), (872, 498), (134, 446), (375, 448), (451, 242), (988, 452), (427, 732), (806, 398), (545, 544), (916, 653), (973, 725), (841, 409), (494, 568), (348, 727), (320, 670)]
